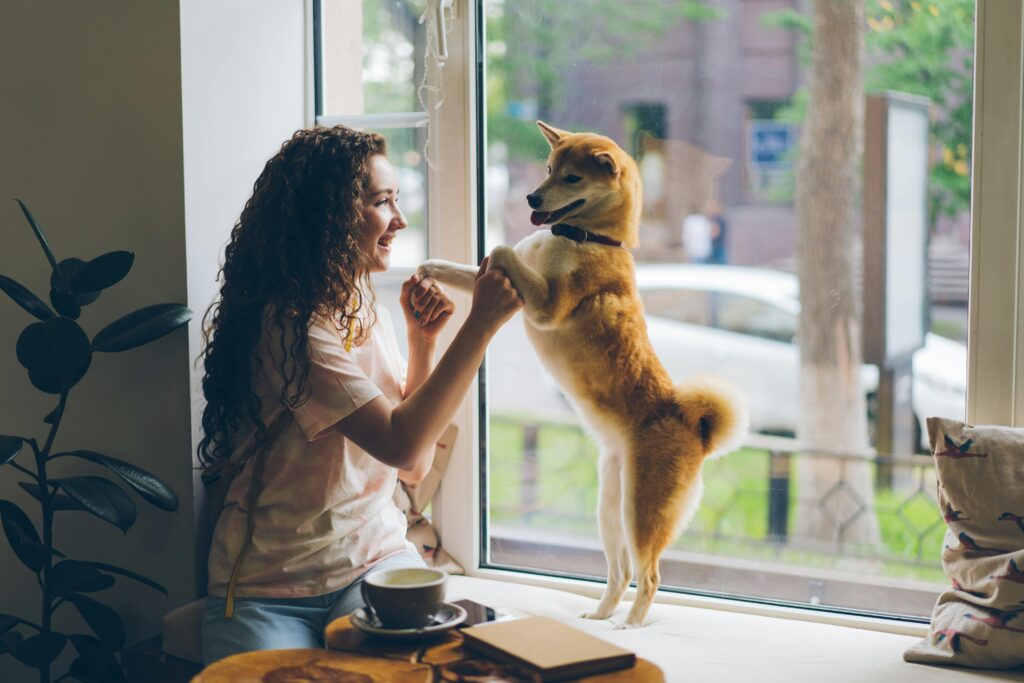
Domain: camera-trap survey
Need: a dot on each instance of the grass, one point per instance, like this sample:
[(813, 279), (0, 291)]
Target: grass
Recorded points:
[(732, 519)]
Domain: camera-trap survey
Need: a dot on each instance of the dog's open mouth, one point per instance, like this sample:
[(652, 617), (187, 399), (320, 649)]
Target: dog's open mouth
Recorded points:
[(542, 217)]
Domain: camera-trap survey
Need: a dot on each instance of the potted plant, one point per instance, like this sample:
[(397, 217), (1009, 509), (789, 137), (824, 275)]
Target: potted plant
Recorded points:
[(57, 353)]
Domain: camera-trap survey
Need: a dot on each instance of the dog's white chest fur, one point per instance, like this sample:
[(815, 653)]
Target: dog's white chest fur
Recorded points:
[(548, 254), (554, 256)]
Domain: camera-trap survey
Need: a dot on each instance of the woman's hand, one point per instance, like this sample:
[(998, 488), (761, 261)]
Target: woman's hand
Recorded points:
[(495, 300), (426, 306)]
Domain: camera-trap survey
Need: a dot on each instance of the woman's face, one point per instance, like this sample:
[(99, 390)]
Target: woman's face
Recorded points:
[(381, 218)]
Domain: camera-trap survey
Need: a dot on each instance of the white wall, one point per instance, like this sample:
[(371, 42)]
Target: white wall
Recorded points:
[(243, 94), (90, 132), (141, 126)]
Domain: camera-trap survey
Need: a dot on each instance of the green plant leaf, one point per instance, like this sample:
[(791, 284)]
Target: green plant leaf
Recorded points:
[(21, 535), (97, 660), (127, 573), (7, 622), (43, 550), (146, 484), (39, 235), (141, 327), (51, 417), (69, 576), (55, 352), (103, 271), (40, 650), (65, 304), (69, 268), (25, 298), (61, 501), (102, 498), (9, 641), (80, 671), (10, 446), (103, 620)]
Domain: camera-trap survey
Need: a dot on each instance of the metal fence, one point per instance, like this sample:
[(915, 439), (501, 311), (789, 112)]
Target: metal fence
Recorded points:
[(543, 476)]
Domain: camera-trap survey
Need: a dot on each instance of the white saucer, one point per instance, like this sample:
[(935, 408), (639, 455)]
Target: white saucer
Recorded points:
[(449, 617)]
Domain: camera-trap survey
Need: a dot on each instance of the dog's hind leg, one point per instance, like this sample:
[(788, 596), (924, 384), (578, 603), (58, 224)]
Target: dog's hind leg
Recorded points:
[(654, 515), (613, 536)]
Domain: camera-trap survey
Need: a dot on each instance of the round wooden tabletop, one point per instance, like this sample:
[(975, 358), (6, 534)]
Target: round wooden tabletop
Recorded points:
[(312, 665), (355, 657)]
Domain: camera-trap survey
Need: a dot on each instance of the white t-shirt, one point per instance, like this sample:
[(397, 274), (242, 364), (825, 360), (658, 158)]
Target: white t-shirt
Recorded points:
[(697, 231), (326, 512)]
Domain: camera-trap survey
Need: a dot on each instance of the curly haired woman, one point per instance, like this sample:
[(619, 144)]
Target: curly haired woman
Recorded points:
[(296, 329)]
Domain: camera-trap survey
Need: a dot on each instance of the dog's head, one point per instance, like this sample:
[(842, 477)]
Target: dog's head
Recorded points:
[(591, 184)]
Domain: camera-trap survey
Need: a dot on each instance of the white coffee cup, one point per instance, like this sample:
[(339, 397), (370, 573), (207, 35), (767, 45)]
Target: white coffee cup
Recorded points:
[(407, 597)]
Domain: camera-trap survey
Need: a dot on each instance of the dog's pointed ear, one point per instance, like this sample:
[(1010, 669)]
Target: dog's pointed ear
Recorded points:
[(648, 142), (552, 134), (606, 161)]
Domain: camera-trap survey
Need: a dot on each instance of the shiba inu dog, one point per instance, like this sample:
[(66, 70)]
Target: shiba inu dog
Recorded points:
[(585, 318)]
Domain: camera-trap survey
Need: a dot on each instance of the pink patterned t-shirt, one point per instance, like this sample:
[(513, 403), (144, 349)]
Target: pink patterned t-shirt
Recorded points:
[(326, 512)]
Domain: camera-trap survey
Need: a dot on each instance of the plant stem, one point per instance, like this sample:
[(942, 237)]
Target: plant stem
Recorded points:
[(24, 470), (41, 457)]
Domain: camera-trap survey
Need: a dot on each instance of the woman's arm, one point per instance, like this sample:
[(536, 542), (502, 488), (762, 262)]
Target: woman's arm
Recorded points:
[(404, 435), (427, 309), (421, 364)]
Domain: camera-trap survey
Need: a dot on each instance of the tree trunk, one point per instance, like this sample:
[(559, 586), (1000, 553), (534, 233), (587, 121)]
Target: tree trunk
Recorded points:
[(836, 497)]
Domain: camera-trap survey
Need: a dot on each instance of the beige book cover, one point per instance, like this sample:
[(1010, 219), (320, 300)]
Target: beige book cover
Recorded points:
[(547, 648)]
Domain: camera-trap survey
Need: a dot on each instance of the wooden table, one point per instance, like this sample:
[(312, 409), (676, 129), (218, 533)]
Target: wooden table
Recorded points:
[(451, 661), (354, 657)]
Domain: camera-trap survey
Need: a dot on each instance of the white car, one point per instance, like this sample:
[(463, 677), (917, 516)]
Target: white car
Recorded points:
[(736, 322)]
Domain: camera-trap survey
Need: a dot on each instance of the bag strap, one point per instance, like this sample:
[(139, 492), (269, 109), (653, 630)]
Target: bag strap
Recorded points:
[(255, 488)]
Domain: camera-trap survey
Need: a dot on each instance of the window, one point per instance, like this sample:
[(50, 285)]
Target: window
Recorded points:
[(723, 120), (380, 94), (529, 503), (377, 67)]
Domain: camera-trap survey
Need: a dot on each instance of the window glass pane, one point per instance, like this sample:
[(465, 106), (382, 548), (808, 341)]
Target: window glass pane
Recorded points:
[(372, 56), (757, 228), (370, 67)]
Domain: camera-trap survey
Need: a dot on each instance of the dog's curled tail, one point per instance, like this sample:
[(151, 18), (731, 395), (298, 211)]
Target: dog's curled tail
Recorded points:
[(716, 411)]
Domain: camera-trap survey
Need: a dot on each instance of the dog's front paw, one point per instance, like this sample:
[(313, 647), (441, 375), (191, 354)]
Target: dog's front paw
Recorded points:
[(427, 269)]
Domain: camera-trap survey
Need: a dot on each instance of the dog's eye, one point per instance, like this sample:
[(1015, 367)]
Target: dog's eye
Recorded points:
[(572, 179), (549, 170)]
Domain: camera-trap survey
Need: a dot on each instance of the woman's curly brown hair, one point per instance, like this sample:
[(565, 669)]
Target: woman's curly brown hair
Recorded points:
[(293, 255)]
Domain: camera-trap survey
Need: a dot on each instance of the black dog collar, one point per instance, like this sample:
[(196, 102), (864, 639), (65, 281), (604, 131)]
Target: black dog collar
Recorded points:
[(581, 235)]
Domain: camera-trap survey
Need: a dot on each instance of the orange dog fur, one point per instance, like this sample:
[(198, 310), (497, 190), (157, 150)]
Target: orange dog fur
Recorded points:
[(586, 321)]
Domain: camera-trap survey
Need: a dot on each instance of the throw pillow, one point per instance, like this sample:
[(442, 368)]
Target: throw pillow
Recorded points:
[(979, 621), (413, 500)]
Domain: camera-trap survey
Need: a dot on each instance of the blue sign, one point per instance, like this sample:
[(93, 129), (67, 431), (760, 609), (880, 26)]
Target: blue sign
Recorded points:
[(770, 142)]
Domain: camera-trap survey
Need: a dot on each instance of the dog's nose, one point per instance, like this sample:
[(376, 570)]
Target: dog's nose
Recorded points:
[(534, 200)]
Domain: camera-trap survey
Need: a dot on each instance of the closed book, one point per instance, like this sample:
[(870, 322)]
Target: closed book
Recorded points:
[(547, 648)]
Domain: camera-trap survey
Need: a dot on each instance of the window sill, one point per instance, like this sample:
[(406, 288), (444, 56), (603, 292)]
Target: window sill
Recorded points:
[(696, 638)]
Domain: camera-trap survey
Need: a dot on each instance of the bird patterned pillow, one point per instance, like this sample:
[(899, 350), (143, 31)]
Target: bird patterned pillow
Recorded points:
[(979, 620)]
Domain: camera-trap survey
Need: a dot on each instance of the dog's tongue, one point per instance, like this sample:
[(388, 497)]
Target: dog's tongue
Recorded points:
[(538, 217)]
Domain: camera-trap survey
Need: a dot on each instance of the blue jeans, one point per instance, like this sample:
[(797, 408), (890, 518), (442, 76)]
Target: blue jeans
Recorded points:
[(276, 623)]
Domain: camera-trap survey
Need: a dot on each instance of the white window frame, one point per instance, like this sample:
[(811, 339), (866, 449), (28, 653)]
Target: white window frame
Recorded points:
[(996, 308)]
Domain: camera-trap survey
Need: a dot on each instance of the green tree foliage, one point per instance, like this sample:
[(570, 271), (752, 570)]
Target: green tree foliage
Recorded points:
[(926, 48), (922, 48), (532, 50)]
